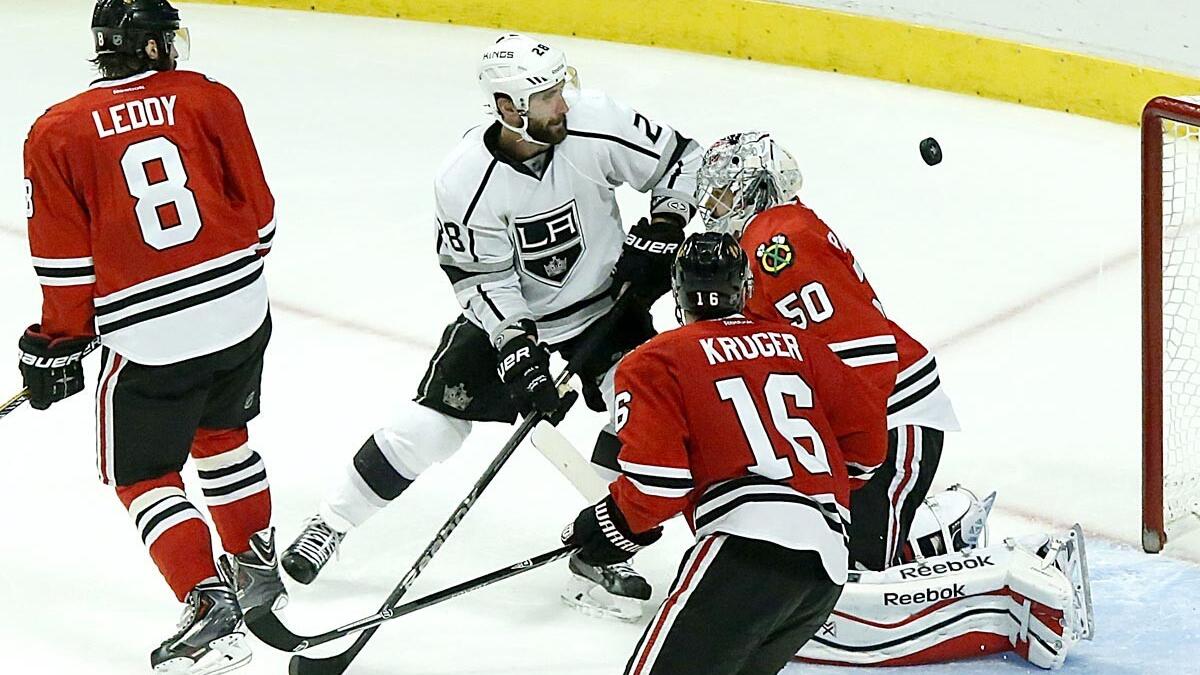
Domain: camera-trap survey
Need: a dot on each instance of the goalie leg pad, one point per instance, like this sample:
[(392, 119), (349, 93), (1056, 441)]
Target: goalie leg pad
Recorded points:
[(960, 605)]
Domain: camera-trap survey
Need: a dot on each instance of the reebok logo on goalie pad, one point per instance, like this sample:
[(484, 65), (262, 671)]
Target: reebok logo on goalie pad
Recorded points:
[(927, 595), (940, 568)]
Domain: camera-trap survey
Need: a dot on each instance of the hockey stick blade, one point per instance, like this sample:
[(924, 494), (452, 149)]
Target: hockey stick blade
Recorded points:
[(269, 629)]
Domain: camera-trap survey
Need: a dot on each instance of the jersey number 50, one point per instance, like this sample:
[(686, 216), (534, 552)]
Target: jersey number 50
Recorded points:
[(169, 190), (794, 429)]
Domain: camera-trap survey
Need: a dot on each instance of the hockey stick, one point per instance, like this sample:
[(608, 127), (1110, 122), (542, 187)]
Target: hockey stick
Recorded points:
[(267, 627), (14, 402), (566, 458), (334, 665), (23, 395)]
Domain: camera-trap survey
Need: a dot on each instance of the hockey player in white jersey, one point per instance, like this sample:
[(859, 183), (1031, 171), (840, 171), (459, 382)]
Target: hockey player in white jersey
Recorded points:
[(530, 236)]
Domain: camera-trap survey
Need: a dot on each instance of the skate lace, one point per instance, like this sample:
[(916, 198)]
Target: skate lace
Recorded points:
[(318, 542), (622, 570)]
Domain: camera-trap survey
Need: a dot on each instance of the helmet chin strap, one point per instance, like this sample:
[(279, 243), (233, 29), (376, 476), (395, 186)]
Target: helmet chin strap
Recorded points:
[(522, 131)]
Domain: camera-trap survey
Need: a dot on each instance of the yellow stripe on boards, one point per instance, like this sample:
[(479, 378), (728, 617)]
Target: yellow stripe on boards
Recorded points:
[(811, 38)]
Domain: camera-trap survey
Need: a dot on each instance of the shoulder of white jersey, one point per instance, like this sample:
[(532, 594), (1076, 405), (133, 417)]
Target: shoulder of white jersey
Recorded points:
[(464, 172), (593, 111)]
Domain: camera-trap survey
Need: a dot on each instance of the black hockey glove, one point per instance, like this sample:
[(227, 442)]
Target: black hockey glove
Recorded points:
[(525, 369), (646, 258), (603, 536), (52, 369)]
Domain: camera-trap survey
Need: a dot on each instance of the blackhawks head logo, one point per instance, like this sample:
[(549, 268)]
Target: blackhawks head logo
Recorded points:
[(776, 255)]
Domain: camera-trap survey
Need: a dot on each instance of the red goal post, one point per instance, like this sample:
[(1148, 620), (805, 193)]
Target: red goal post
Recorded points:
[(1170, 318)]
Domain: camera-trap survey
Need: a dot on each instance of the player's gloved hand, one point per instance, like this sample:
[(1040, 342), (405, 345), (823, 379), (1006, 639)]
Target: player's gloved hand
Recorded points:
[(646, 259), (52, 368), (525, 368), (603, 536)]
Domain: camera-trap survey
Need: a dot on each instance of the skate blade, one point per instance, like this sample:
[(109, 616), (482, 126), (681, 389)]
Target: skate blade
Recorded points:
[(591, 599), (224, 654), (1081, 583)]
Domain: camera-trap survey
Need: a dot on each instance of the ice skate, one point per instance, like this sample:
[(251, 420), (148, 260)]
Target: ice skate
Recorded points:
[(615, 591), (312, 550), (208, 641), (255, 573)]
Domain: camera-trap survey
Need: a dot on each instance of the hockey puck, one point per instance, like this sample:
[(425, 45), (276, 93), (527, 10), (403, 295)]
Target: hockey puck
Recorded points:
[(931, 152)]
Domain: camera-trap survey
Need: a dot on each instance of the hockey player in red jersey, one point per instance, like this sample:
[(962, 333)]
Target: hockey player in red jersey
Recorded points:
[(149, 217), (804, 274), (749, 429)]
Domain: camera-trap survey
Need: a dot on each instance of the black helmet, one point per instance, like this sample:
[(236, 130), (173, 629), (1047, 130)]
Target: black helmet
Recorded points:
[(711, 278), (125, 26)]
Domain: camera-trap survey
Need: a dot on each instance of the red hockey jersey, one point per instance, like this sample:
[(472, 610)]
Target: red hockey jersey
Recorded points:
[(749, 428), (804, 274), (148, 217)]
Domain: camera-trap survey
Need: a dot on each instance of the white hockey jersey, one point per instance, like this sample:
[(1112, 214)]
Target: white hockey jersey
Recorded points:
[(518, 243)]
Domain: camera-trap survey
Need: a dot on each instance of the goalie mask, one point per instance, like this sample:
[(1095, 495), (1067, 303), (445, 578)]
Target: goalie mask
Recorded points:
[(126, 26), (741, 176), (952, 520), (518, 67)]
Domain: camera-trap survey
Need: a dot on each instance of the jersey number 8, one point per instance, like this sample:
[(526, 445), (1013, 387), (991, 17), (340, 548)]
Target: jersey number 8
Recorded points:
[(151, 197)]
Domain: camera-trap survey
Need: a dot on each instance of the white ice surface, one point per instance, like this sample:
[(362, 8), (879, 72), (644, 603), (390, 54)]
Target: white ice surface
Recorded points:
[(1016, 257)]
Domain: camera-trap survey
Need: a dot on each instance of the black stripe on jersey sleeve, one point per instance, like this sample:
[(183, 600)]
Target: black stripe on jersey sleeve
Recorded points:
[(682, 143), (869, 350), (615, 139), (491, 305), (65, 272), (659, 481), (911, 379), (909, 400)]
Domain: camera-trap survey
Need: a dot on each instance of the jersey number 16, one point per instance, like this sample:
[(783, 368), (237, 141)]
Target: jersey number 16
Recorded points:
[(794, 429)]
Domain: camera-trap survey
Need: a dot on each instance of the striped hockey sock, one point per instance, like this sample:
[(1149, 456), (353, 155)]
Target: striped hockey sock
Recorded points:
[(234, 481), (173, 530)]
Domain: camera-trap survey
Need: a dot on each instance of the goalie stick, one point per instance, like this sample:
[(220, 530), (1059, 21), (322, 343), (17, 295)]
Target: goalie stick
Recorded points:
[(338, 663), (566, 458), (267, 627)]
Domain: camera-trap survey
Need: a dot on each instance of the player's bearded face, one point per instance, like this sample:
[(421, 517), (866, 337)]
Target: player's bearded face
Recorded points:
[(547, 116)]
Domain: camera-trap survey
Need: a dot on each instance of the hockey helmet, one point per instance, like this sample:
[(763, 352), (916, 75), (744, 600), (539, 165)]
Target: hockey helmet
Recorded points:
[(711, 277), (742, 175), (518, 66), (125, 26), (951, 520)]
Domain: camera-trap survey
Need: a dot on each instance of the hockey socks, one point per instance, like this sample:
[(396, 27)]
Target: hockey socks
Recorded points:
[(234, 481), (173, 529)]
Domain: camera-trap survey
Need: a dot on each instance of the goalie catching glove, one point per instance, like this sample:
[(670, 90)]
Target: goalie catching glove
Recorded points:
[(603, 536), (645, 262), (52, 368)]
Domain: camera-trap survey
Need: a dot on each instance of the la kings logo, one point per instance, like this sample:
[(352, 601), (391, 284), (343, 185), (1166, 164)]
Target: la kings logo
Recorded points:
[(550, 244)]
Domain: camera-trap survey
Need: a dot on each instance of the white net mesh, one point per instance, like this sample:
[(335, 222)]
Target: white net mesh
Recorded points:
[(1181, 322)]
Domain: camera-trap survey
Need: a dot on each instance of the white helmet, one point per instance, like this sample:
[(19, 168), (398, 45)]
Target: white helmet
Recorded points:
[(519, 67), (742, 175)]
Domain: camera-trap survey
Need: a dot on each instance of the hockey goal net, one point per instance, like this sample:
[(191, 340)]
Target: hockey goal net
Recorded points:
[(1170, 319)]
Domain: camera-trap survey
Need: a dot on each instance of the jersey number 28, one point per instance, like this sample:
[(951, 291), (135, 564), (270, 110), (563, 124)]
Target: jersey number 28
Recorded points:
[(778, 387), (169, 190)]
